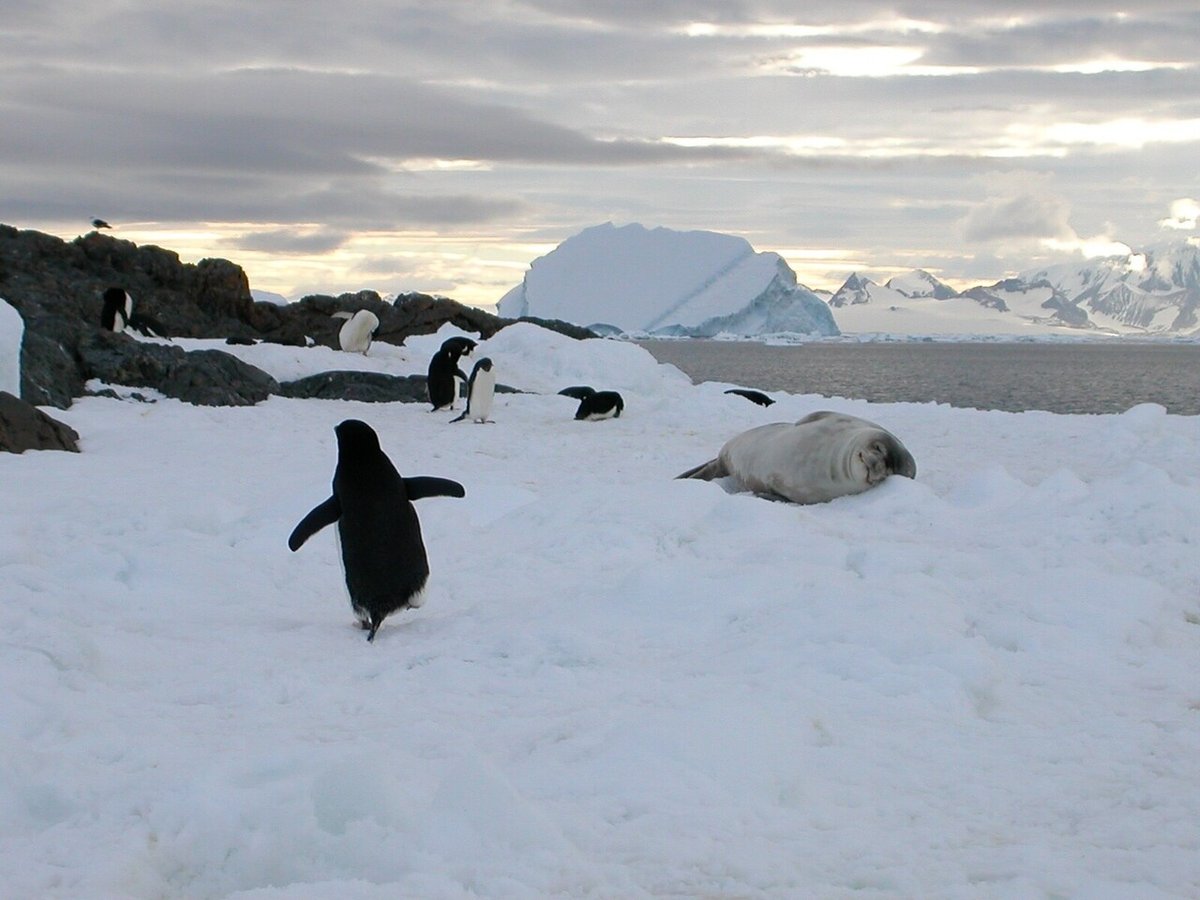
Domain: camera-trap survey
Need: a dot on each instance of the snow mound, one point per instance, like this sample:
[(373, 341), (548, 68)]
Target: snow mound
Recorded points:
[(660, 281), (12, 330)]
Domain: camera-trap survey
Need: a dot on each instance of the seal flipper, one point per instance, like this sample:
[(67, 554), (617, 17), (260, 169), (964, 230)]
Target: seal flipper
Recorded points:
[(714, 468), (428, 486), (325, 514)]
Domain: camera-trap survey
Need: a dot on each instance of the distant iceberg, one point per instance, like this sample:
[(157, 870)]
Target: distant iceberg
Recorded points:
[(633, 279)]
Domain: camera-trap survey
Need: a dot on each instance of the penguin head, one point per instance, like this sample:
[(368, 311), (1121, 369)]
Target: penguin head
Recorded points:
[(356, 436), (485, 364), (458, 346)]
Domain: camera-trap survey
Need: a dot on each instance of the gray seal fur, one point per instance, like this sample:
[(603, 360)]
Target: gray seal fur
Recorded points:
[(823, 456)]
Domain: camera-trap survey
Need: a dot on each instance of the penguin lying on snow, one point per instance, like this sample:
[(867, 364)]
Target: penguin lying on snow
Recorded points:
[(118, 316), (596, 405), (443, 370), (382, 552), (753, 396), (481, 391)]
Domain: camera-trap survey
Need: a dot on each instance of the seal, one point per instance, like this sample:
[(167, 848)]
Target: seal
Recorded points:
[(752, 395), (481, 391), (599, 405), (383, 556), (355, 335), (823, 456), (443, 370)]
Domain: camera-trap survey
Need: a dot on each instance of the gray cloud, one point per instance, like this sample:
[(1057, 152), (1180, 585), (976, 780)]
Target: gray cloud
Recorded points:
[(290, 240), (273, 112), (1024, 217)]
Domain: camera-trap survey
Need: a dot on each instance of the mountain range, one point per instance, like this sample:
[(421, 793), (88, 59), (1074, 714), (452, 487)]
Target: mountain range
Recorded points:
[(1152, 291), (632, 279)]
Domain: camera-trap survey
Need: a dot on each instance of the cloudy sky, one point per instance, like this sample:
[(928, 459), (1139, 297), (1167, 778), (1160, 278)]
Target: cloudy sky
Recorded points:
[(441, 146)]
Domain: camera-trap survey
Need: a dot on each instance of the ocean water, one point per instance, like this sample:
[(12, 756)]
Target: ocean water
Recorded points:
[(1060, 377)]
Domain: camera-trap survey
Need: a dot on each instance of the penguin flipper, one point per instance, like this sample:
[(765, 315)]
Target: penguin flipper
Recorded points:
[(428, 486), (714, 468), (325, 514)]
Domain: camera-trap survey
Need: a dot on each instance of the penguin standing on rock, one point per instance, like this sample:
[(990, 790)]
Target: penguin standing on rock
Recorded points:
[(118, 316), (444, 370), (382, 552), (481, 391)]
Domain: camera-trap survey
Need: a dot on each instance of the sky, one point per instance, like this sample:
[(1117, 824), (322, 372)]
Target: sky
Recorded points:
[(442, 147)]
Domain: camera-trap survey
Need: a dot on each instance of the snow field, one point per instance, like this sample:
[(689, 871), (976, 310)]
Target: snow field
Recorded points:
[(980, 683)]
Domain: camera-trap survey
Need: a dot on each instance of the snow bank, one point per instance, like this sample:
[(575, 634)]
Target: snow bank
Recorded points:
[(12, 332), (978, 683)]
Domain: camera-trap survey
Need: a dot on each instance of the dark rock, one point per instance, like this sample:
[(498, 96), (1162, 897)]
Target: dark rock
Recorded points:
[(50, 373), (202, 377), (368, 387), (25, 427)]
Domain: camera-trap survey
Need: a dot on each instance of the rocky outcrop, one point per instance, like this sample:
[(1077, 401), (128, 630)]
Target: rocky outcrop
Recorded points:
[(57, 288), (202, 377), (25, 427), (368, 387)]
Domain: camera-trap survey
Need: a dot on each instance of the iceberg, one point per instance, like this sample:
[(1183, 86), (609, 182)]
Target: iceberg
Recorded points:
[(658, 281)]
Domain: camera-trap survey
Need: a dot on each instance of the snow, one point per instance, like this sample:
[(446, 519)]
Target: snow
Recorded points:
[(12, 332), (981, 683), (958, 316)]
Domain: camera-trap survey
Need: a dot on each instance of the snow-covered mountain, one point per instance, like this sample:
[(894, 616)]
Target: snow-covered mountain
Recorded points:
[(1156, 289), (919, 283), (918, 303), (1153, 291), (660, 281)]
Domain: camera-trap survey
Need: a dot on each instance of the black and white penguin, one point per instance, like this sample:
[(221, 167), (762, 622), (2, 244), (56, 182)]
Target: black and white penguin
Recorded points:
[(118, 307), (481, 391), (383, 555), (600, 405), (753, 396), (118, 316), (355, 335), (444, 370), (578, 391)]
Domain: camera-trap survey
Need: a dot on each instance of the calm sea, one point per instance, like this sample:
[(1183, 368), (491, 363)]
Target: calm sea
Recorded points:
[(1058, 377)]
